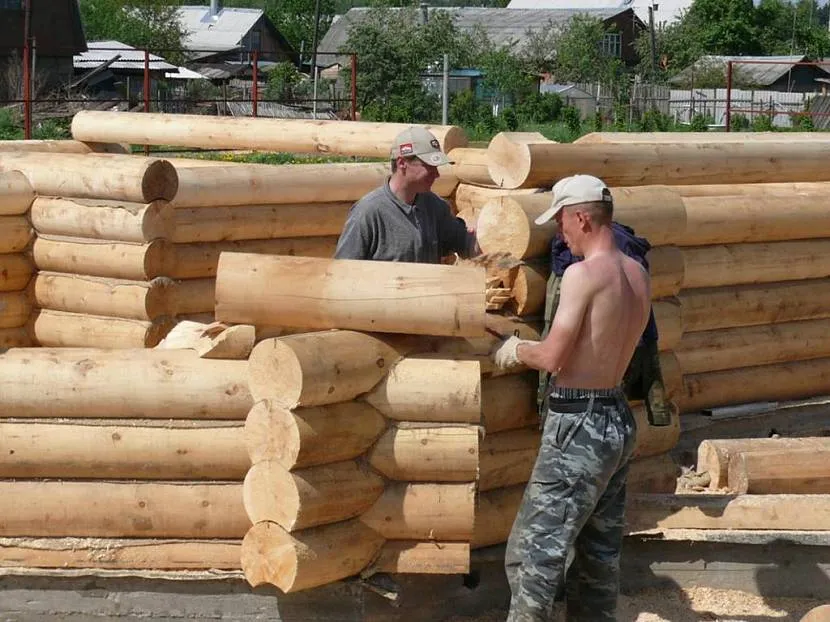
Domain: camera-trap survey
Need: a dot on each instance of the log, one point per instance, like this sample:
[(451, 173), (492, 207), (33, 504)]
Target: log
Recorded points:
[(103, 220), (105, 449), (310, 436), (423, 512), (310, 497), (668, 313), (495, 514), (507, 458), (427, 454), (256, 222), (406, 556), (257, 184), (506, 224), (817, 614), (509, 402), (15, 234), (361, 295), (470, 217), (373, 140), (469, 196), (16, 194), (672, 374), (667, 265), (193, 296), (228, 342), (122, 509), (95, 176), (134, 384), (15, 272), (657, 474), (313, 369), (200, 260), (307, 559), (527, 296), (653, 440), (15, 309), (14, 338), (520, 164), (120, 554), (470, 166), (426, 389), (749, 305), (58, 329), (698, 137), (61, 146), (747, 346), (782, 381), (77, 293), (117, 260)]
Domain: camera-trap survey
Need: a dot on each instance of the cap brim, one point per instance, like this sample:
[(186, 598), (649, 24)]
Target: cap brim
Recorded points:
[(548, 214), (436, 158)]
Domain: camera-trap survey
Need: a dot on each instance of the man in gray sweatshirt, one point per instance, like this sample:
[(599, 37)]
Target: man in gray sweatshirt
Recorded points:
[(403, 220)]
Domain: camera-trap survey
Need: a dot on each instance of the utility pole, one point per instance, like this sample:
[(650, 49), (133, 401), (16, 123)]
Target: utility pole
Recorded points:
[(652, 7), (314, 38), (27, 73)]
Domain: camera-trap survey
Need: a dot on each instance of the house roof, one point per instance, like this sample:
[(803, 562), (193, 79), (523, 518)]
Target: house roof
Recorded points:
[(99, 52), (220, 33), (56, 25), (667, 11), (761, 74), (503, 26)]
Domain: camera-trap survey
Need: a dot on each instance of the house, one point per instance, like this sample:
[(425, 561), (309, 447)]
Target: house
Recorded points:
[(666, 11), (773, 73), (57, 33)]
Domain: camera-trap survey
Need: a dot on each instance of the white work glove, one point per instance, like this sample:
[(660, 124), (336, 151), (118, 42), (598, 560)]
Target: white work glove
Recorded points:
[(505, 355)]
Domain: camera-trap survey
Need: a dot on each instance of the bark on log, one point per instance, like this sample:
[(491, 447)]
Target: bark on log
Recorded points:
[(519, 164), (509, 402), (289, 135), (61, 146), (420, 454), (117, 260), (15, 234), (103, 449), (667, 265), (307, 559), (58, 329), (102, 220), (407, 556), (120, 554), (15, 309), (749, 305), (434, 390), (257, 222), (77, 293), (135, 384), (95, 176), (320, 495), (14, 338), (311, 436), (200, 260), (424, 512), (470, 166), (471, 197), (507, 458), (15, 272), (122, 509), (668, 313), (314, 369), (360, 295), (16, 193), (495, 514)]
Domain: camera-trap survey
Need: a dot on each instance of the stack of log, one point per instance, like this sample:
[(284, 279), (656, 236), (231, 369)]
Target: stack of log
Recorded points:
[(16, 269)]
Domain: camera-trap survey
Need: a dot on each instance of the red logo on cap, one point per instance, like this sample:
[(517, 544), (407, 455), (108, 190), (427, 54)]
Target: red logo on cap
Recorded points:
[(406, 149)]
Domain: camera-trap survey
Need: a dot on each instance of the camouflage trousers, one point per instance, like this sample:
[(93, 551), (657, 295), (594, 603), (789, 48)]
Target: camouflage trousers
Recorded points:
[(575, 500)]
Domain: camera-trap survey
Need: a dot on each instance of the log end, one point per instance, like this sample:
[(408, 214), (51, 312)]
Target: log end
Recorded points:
[(160, 181), (269, 493), (269, 556), (454, 138), (275, 372), (158, 221), (509, 160)]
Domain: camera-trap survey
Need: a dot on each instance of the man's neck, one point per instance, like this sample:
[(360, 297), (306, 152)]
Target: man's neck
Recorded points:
[(602, 241), (401, 189)]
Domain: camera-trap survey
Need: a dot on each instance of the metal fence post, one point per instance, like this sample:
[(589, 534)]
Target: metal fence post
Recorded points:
[(27, 75), (255, 87), (146, 90), (354, 86), (729, 96)]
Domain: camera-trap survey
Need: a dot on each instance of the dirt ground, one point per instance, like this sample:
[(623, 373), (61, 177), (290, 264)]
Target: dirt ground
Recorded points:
[(695, 604)]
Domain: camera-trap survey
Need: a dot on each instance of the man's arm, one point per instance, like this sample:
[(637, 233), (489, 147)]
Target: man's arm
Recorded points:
[(454, 235), (356, 240)]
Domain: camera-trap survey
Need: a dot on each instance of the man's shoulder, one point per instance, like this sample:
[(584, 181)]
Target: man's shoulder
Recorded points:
[(370, 203), (432, 200)]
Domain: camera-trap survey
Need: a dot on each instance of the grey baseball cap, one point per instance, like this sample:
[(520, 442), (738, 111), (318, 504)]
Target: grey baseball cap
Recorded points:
[(419, 142)]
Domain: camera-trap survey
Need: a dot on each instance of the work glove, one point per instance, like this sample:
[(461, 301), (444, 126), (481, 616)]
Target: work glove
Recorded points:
[(505, 354)]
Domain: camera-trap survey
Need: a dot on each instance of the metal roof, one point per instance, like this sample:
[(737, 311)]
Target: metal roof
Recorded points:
[(668, 11), (99, 52), (503, 26), (763, 74), (218, 33)]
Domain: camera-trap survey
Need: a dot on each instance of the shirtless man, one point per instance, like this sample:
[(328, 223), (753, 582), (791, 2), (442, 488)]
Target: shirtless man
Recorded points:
[(576, 494)]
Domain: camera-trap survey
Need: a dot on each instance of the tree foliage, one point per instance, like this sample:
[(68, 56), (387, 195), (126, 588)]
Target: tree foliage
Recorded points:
[(294, 19)]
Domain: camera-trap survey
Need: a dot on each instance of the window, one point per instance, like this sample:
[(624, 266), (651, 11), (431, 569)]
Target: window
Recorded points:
[(255, 40), (11, 4), (612, 44)]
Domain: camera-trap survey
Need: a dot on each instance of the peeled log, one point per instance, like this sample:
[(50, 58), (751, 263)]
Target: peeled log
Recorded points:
[(527, 296), (406, 556), (495, 514), (520, 164), (310, 436), (307, 559), (200, 260), (361, 295), (653, 440), (712, 308), (193, 296), (426, 389), (470, 166), (118, 260), (101, 449), (122, 509), (259, 222), (59, 329), (699, 137), (668, 313), (419, 454), (135, 384), (372, 140), (468, 196), (424, 512), (313, 369), (102, 220), (16, 194), (731, 348), (657, 474), (61, 146), (95, 176), (794, 471), (15, 234), (667, 267), (672, 374), (77, 293), (14, 338), (15, 309), (783, 381), (508, 458), (505, 224), (15, 272), (509, 402), (319, 495)]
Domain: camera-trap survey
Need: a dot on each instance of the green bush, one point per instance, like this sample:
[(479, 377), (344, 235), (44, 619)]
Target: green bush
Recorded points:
[(539, 108), (597, 124), (572, 119), (11, 127), (739, 123), (655, 121), (763, 123), (700, 123), (510, 119), (803, 122), (52, 129), (465, 110)]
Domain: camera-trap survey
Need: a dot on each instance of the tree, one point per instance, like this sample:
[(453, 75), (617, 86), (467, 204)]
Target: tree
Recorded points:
[(579, 56)]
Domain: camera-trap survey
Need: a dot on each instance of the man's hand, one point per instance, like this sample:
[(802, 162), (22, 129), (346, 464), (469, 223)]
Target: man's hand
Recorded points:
[(505, 354)]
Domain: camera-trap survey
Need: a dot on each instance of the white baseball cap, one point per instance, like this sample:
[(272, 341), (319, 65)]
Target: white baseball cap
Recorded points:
[(574, 190), (420, 142)]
